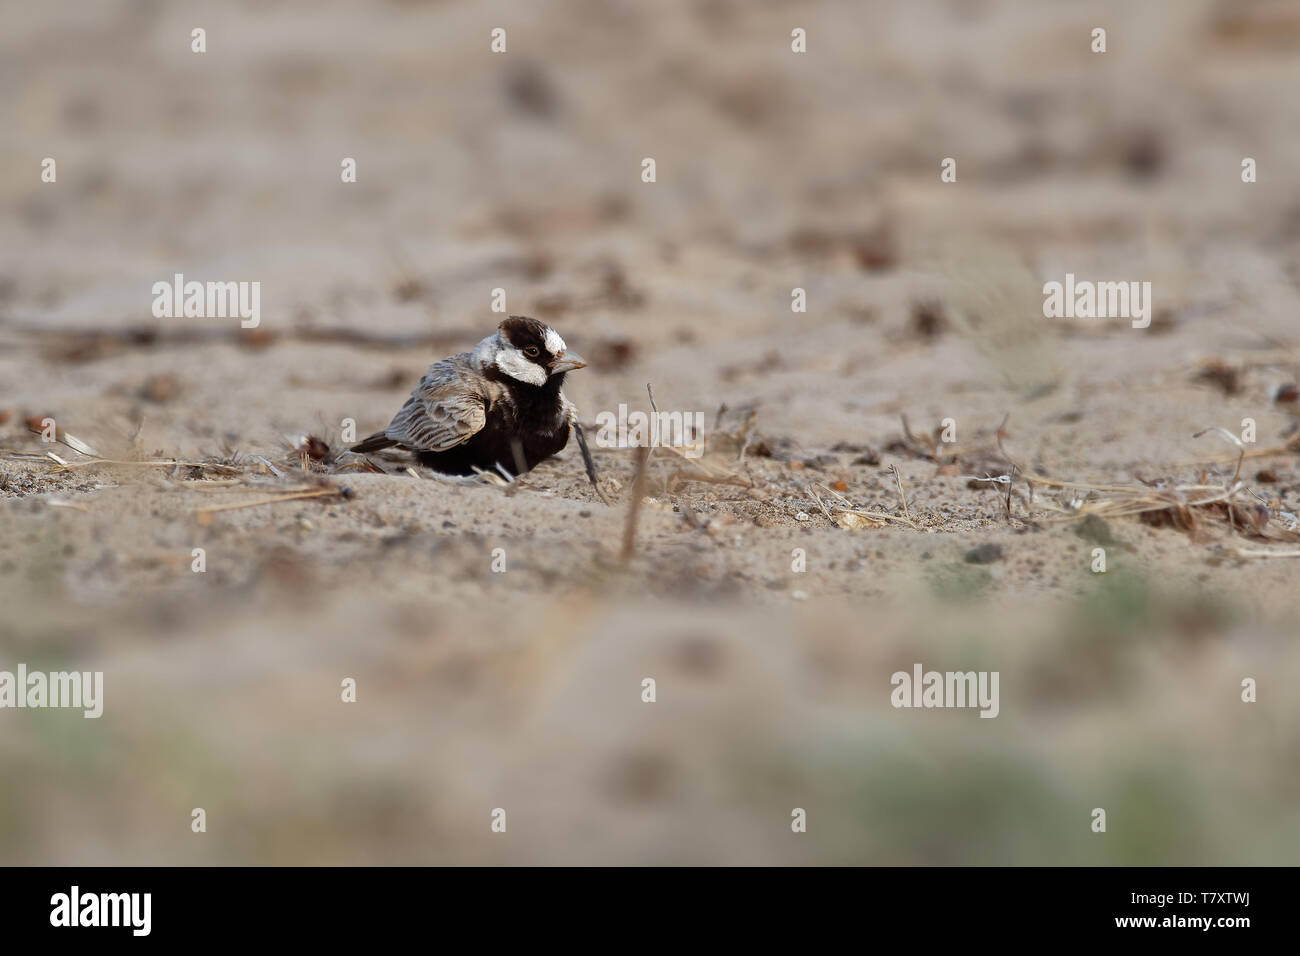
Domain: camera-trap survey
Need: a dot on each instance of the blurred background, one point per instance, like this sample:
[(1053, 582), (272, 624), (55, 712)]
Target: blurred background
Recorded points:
[(522, 690)]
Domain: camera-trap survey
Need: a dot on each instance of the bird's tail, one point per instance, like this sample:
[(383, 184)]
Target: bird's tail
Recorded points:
[(375, 442)]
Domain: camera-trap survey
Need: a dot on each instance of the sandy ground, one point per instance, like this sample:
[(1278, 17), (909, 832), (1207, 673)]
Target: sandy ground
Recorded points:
[(522, 690)]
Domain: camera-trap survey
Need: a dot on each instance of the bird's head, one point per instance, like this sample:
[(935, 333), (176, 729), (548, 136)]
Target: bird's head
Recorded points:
[(530, 352)]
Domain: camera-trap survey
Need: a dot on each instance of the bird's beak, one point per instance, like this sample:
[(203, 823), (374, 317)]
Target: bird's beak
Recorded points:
[(567, 362)]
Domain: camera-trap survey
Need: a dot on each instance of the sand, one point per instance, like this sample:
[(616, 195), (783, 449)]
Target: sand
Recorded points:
[(480, 688)]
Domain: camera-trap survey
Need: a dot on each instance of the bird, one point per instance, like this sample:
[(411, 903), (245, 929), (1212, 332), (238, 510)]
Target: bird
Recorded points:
[(499, 407)]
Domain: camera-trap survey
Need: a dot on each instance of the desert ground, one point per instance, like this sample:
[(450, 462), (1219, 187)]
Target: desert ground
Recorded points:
[(918, 467)]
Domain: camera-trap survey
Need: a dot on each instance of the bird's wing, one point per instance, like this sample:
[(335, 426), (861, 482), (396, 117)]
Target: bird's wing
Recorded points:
[(446, 409)]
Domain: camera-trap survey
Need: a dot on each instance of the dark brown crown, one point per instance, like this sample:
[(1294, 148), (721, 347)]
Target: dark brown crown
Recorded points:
[(521, 332)]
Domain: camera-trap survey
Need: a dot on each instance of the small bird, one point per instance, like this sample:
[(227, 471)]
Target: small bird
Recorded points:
[(501, 406)]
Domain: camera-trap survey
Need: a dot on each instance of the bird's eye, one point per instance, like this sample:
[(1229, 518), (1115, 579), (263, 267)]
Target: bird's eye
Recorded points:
[(531, 351)]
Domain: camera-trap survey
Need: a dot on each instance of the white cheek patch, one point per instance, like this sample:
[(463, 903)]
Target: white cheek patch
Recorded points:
[(554, 344), (514, 363)]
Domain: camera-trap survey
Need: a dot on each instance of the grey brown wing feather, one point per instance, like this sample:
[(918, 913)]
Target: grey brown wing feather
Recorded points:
[(447, 408)]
